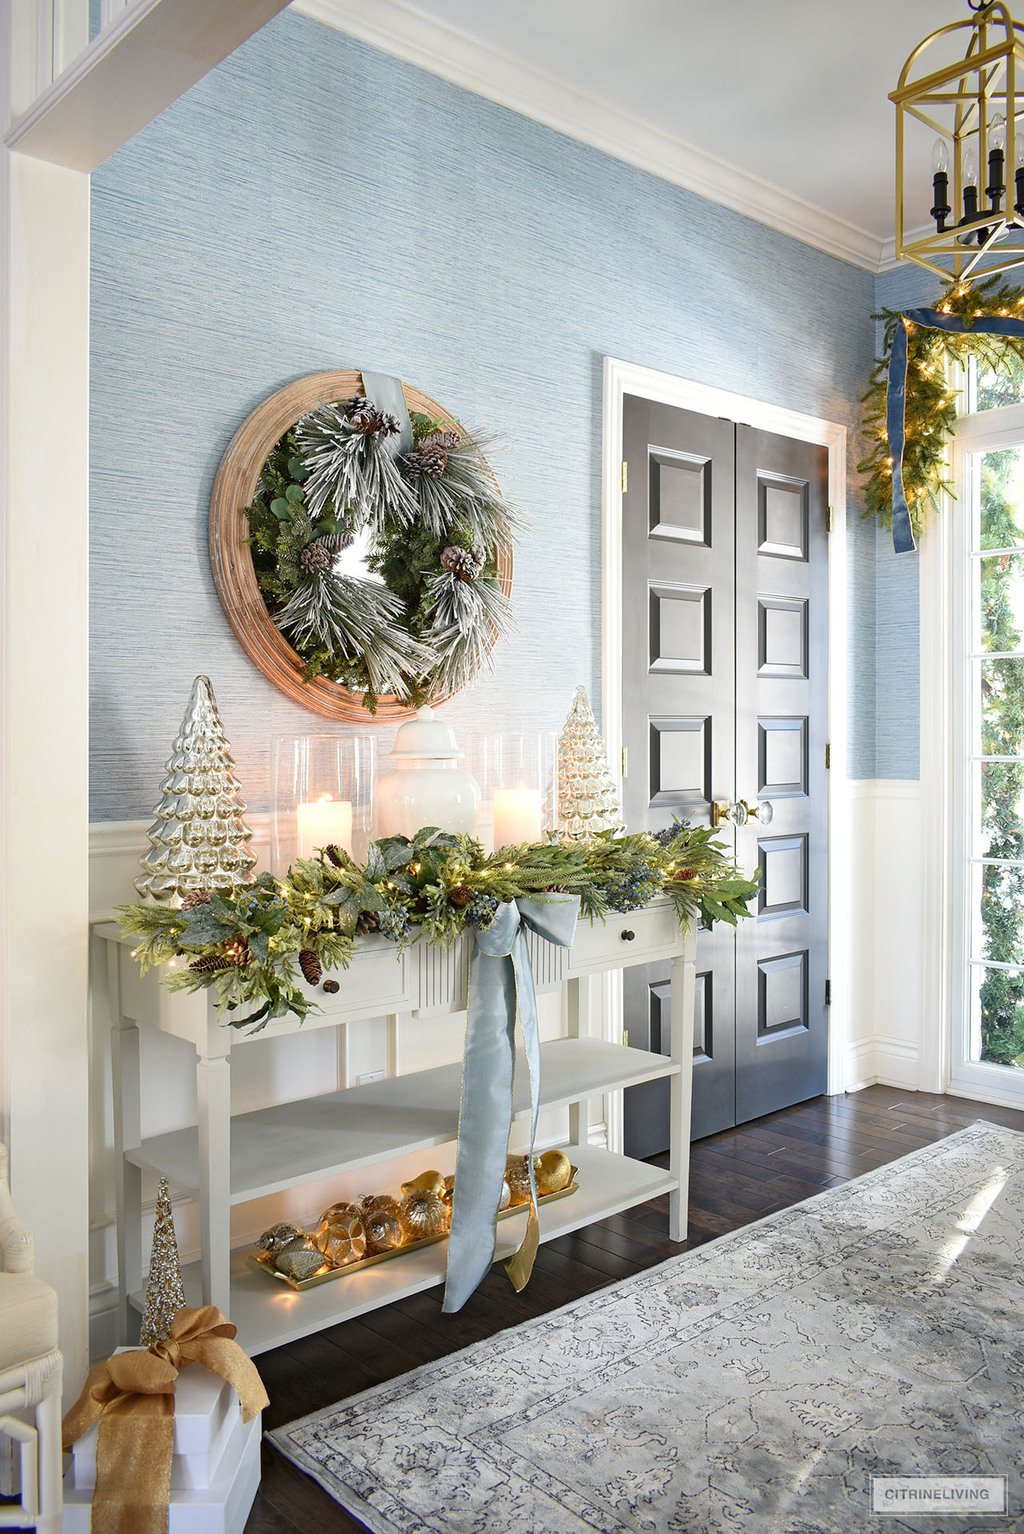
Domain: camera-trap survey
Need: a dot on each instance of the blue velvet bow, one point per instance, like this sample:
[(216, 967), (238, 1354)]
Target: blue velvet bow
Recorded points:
[(500, 986)]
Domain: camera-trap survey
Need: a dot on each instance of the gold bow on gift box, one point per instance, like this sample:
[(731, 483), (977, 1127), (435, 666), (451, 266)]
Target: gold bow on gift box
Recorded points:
[(132, 1398)]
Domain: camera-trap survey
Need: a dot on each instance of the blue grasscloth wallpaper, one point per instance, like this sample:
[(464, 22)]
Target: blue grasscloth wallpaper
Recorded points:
[(314, 203)]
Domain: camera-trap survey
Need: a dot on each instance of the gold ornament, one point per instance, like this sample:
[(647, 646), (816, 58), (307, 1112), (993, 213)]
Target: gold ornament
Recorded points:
[(506, 1194), (383, 1231), (449, 1189), (425, 1213), (165, 1292), (518, 1178), (279, 1238), (426, 1182), (553, 1171), (341, 1235), (299, 1263)]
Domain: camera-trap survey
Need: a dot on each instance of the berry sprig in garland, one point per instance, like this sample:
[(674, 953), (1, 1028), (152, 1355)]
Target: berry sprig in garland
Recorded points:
[(256, 946), (433, 521), (931, 405)]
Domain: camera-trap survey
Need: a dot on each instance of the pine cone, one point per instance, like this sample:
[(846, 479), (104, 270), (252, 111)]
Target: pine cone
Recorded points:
[(360, 412), (429, 458), (309, 963), (459, 896), (194, 898), (366, 922), (682, 875), (334, 855), (466, 564), (316, 557), (386, 424), (237, 952), (208, 963), (331, 987)]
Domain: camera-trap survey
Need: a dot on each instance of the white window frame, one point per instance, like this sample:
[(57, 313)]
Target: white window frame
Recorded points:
[(946, 784)]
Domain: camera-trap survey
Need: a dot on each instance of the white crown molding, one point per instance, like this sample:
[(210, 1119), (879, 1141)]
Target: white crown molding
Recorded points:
[(476, 66)]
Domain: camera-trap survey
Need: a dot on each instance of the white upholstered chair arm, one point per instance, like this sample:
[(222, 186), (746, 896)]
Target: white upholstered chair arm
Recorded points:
[(16, 1249)]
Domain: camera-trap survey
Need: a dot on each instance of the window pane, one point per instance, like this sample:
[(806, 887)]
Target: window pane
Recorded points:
[(1001, 609), (1002, 386), (1000, 932), (1002, 707), (1001, 501), (999, 1015), (1002, 810)]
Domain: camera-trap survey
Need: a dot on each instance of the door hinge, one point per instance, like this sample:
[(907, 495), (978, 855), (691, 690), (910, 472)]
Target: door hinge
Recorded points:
[(828, 519), (625, 477), (625, 1038), (625, 761), (828, 754), (828, 993)]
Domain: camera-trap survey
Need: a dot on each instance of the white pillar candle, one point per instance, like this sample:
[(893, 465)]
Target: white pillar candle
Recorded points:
[(324, 822), (517, 816)]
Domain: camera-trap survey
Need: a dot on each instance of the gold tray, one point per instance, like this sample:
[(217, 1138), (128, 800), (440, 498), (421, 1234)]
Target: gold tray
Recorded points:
[(263, 1261)]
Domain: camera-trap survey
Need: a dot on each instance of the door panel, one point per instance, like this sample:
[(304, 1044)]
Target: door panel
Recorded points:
[(781, 715), (678, 724)]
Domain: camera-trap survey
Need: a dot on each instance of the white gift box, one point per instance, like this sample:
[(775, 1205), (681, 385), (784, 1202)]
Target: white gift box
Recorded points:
[(215, 1469)]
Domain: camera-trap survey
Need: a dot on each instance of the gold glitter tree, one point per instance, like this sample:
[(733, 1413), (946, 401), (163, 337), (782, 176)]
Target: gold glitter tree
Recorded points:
[(165, 1292), (588, 801), (199, 840)]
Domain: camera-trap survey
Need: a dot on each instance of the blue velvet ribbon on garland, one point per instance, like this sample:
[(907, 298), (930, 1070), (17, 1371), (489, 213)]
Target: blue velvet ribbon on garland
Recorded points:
[(501, 986), (896, 397)]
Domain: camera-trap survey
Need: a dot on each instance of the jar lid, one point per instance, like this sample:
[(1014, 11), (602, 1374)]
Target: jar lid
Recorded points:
[(426, 735)]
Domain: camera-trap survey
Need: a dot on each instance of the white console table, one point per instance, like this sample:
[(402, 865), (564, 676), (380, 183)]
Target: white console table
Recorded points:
[(227, 1160)]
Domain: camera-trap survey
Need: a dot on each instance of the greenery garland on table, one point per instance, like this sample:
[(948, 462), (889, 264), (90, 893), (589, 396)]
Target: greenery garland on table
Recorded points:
[(434, 521), (930, 403), (252, 947)]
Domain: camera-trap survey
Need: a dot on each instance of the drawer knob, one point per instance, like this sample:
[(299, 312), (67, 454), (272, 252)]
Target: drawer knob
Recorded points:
[(628, 935)]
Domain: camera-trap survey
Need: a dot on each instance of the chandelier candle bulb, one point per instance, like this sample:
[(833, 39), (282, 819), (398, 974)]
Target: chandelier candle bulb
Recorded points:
[(940, 184), (517, 816), (996, 163), (324, 822)]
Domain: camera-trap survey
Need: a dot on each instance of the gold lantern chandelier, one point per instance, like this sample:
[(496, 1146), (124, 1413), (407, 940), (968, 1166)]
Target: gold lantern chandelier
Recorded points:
[(974, 107)]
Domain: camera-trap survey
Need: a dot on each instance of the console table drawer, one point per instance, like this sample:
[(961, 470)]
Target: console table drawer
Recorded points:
[(638, 937)]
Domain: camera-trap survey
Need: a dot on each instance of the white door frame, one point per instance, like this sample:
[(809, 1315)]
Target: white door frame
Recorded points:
[(620, 379), (945, 785)]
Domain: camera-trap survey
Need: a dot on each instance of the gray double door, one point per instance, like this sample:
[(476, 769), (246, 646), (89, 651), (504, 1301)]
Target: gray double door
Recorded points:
[(725, 664)]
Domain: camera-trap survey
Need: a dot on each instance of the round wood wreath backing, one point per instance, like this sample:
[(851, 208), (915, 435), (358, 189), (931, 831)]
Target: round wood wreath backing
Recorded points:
[(234, 489)]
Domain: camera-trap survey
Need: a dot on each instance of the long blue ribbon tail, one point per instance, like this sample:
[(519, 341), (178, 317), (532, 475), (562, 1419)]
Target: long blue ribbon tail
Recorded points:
[(501, 986), (896, 397)]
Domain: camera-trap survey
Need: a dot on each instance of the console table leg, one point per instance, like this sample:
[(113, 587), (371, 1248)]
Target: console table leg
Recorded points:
[(681, 1002), (213, 1092), (127, 1106), (579, 1001)]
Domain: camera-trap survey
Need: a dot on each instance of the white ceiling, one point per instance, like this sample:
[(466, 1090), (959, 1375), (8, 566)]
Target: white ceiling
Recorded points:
[(790, 93)]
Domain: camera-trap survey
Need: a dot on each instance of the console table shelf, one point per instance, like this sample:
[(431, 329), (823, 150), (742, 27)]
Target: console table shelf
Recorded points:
[(225, 1161), (268, 1314)]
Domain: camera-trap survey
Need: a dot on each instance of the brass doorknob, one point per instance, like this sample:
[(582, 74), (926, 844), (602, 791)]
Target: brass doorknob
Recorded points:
[(721, 812)]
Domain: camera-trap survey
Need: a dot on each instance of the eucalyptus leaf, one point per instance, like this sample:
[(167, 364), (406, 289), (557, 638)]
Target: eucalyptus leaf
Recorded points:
[(281, 508), (293, 493)]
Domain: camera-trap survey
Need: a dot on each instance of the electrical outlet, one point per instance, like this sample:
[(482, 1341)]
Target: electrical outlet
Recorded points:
[(368, 1076)]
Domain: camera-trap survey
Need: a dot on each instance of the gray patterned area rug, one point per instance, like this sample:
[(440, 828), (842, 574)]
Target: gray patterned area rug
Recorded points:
[(754, 1384)]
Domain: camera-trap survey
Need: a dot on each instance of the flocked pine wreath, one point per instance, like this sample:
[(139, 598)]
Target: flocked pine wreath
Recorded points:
[(434, 521)]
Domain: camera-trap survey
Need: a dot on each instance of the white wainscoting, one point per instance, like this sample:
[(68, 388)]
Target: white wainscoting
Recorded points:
[(888, 966)]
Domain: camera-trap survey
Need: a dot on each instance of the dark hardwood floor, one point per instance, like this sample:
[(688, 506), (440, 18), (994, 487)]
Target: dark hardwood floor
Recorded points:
[(736, 1177)]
